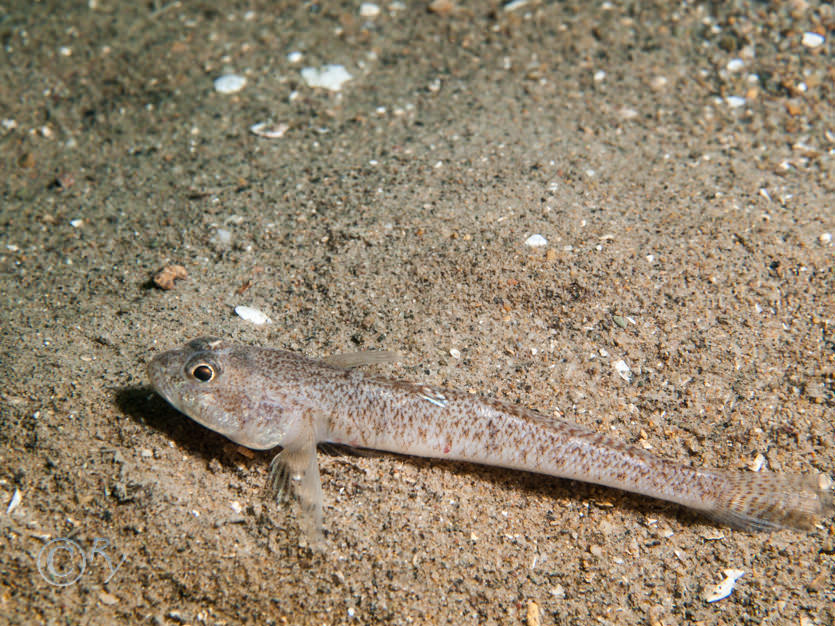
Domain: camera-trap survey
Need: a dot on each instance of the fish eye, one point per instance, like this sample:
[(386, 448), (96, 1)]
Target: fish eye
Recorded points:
[(203, 372)]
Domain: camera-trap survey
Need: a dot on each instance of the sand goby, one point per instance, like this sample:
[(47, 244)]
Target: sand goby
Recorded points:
[(263, 398)]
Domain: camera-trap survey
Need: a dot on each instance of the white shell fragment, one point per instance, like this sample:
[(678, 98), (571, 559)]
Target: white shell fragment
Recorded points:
[(514, 4), (330, 77), (812, 40), (757, 464), (735, 101), (369, 9), (230, 83), (735, 65), (14, 502), (252, 315), (269, 130), (294, 57), (222, 237), (536, 241), (623, 370), (658, 82), (714, 593), (825, 239)]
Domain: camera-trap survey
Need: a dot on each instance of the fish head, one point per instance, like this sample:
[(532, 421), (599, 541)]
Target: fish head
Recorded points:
[(216, 383)]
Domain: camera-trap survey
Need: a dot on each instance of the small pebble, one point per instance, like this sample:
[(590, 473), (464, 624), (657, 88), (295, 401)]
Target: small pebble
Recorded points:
[(455, 353), (441, 7), (108, 598), (532, 616), (164, 279), (294, 57), (236, 506), (735, 101), (330, 77), (825, 239), (76, 223), (230, 83), (536, 241), (812, 40), (252, 315)]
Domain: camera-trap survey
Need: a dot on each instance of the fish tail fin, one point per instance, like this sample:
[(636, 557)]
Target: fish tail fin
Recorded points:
[(758, 501)]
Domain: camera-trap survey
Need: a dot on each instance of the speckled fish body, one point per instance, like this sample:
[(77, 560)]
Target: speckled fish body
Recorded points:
[(262, 398)]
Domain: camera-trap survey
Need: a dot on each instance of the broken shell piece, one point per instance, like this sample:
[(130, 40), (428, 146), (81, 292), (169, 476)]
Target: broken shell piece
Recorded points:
[(229, 83), (369, 10), (812, 40), (536, 241), (722, 590), (14, 502), (269, 130), (623, 370), (330, 77), (252, 315)]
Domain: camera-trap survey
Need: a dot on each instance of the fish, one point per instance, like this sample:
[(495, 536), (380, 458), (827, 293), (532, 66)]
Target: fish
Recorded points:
[(264, 398)]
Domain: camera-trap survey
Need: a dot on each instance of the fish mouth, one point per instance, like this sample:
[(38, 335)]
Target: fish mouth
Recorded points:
[(161, 370)]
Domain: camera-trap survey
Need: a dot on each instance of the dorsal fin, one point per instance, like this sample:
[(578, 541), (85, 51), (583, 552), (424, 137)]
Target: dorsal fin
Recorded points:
[(350, 360)]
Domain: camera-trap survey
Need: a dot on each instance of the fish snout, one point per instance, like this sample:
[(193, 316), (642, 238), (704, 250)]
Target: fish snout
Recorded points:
[(162, 371)]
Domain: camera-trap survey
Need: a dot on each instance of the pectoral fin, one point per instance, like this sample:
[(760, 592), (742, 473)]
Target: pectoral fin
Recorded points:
[(351, 360), (295, 470)]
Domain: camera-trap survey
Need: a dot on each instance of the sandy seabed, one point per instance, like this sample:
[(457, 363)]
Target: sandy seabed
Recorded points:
[(677, 159)]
